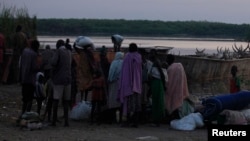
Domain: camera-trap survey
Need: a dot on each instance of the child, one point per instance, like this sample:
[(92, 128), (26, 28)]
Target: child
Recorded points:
[(49, 99), (39, 91), (235, 80), (98, 94)]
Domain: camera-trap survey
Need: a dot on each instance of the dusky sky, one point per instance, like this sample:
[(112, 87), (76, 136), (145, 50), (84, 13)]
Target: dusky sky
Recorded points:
[(225, 11)]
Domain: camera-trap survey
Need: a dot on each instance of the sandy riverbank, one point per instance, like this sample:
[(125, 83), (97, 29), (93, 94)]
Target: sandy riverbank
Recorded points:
[(10, 105)]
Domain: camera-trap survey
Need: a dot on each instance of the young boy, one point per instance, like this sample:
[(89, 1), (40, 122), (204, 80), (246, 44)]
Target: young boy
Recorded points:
[(98, 94), (235, 80), (39, 91)]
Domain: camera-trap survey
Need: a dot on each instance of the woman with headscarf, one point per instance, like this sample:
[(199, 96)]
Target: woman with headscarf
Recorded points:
[(157, 86), (86, 64), (130, 85), (177, 90), (113, 83)]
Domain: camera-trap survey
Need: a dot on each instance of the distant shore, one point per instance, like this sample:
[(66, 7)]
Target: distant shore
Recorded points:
[(182, 46)]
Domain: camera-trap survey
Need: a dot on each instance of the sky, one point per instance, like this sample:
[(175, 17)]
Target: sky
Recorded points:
[(224, 11)]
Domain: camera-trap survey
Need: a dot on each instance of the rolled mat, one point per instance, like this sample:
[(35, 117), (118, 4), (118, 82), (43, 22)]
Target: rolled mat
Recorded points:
[(214, 105)]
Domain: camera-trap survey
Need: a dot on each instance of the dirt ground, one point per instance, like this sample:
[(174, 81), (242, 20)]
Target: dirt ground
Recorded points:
[(10, 106)]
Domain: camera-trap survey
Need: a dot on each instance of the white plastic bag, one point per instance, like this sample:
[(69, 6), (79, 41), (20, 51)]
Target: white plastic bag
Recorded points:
[(188, 123), (81, 111)]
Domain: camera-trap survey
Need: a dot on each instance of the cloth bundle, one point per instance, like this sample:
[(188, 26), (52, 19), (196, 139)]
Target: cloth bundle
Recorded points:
[(215, 105), (188, 123), (81, 111)]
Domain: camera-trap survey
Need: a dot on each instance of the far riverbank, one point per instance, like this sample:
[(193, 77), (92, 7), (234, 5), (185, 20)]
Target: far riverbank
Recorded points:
[(182, 46)]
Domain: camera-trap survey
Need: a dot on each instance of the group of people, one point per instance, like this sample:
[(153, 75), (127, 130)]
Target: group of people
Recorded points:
[(35, 71), (125, 85), (137, 79), (146, 78), (9, 66)]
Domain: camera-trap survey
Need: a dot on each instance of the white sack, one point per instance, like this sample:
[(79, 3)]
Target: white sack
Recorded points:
[(81, 111), (188, 123)]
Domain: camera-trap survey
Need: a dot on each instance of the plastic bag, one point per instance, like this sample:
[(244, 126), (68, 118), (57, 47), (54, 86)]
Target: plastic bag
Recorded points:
[(81, 111), (188, 123)]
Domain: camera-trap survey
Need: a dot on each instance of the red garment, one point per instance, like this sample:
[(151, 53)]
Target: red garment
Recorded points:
[(234, 86), (98, 91)]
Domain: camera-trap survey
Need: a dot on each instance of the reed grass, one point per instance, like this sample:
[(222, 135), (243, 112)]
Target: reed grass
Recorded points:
[(12, 16)]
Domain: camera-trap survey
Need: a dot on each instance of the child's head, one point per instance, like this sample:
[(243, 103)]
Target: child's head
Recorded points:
[(234, 70), (40, 77)]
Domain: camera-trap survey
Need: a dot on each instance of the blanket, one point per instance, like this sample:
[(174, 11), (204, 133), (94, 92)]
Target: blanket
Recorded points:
[(214, 105), (177, 88)]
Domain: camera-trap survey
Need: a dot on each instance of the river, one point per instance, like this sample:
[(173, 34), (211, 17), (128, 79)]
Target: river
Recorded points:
[(182, 46)]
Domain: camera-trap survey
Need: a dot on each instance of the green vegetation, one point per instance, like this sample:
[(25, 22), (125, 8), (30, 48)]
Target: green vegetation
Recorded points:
[(10, 17), (103, 27)]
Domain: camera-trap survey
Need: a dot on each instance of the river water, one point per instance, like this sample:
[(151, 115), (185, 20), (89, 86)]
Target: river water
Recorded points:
[(181, 46)]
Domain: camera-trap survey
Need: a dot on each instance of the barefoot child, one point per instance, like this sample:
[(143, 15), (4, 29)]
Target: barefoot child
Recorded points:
[(98, 95), (235, 80), (39, 91)]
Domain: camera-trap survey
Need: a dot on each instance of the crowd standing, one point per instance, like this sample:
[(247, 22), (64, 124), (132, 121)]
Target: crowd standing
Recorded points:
[(134, 87)]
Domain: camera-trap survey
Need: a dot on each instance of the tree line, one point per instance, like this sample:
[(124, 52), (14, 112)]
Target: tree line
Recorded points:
[(145, 28), (10, 17)]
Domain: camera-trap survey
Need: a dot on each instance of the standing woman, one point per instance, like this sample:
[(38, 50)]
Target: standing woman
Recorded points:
[(177, 89), (157, 86), (113, 83), (130, 86), (86, 64)]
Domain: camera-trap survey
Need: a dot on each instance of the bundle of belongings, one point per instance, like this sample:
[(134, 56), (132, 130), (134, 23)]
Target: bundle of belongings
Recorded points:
[(83, 41), (81, 111), (227, 109), (117, 39), (188, 123), (30, 121)]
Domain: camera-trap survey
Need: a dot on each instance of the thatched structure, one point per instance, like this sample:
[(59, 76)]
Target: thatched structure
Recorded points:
[(206, 75)]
